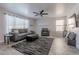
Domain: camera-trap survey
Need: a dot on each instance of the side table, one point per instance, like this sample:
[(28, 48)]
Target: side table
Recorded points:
[(7, 38)]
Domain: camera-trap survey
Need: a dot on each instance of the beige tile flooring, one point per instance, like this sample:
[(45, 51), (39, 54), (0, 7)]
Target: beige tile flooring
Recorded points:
[(8, 50), (5, 50), (59, 47)]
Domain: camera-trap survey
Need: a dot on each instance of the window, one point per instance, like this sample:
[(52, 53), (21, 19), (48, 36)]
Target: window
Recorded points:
[(14, 22), (71, 23), (9, 23), (59, 25), (21, 23)]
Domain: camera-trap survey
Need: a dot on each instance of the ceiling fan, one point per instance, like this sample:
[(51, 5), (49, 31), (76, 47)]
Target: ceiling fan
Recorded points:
[(41, 13)]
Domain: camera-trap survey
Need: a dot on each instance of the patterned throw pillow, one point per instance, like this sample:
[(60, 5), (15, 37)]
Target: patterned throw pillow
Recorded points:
[(72, 36)]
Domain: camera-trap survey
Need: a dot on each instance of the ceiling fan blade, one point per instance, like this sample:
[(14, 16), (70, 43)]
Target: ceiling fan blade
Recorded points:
[(41, 11), (44, 13), (35, 13)]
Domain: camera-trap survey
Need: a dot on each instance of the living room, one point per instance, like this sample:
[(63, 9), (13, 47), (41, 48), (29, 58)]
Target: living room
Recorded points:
[(43, 24)]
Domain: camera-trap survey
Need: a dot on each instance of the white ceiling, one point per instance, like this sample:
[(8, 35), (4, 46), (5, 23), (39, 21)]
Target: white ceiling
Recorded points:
[(27, 9)]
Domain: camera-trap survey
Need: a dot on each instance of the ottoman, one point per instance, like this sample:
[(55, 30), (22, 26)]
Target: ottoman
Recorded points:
[(32, 37)]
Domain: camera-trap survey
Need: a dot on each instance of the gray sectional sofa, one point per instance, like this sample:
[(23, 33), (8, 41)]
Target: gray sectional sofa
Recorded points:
[(19, 34)]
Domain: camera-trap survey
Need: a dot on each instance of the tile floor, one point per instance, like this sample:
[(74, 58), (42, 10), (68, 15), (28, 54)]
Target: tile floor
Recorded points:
[(59, 47), (8, 50)]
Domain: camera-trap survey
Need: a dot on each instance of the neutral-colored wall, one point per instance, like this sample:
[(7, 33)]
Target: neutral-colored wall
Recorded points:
[(32, 25), (49, 23), (45, 23), (2, 26)]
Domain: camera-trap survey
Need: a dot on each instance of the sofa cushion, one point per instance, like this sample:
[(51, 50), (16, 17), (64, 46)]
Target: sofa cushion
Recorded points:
[(23, 30), (15, 31), (19, 30), (22, 34)]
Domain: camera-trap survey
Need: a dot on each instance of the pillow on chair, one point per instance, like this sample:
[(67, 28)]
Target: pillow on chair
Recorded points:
[(72, 36)]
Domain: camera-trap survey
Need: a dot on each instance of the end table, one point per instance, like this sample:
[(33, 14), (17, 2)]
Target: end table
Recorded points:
[(7, 38)]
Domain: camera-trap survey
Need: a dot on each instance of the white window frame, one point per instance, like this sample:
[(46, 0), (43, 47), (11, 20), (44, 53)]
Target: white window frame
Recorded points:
[(14, 24), (60, 25), (71, 23)]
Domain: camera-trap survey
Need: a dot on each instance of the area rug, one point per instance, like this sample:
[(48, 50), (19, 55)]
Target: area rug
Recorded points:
[(40, 46)]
